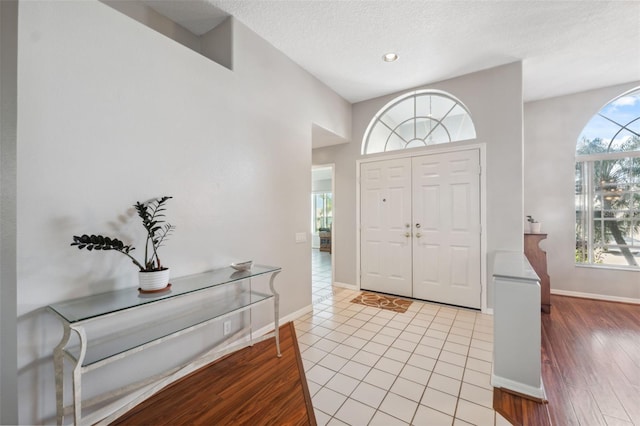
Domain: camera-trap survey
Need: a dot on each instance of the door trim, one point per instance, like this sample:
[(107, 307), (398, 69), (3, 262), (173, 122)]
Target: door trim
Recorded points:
[(483, 202)]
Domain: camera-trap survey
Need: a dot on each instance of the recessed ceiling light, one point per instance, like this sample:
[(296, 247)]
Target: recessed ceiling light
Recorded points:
[(389, 57)]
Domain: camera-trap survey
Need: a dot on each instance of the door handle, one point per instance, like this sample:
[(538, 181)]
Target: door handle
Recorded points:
[(418, 225), (407, 234), (418, 235)]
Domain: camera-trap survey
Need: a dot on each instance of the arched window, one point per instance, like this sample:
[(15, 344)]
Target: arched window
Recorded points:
[(608, 186), (417, 119)]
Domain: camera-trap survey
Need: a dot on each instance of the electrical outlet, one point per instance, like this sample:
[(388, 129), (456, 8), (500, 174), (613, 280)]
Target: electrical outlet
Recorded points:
[(226, 328)]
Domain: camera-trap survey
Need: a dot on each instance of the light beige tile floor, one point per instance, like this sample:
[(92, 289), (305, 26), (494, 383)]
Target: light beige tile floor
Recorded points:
[(368, 366), (320, 275)]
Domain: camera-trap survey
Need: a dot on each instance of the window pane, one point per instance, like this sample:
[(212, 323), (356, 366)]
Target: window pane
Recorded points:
[(595, 129), (322, 211), (423, 127), (624, 142), (406, 130), (459, 124), (377, 138), (441, 106), (608, 189), (433, 106), (423, 106), (618, 248), (394, 143), (438, 135), (617, 123), (582, 250), (414, 117), (328, 211), (416, 143), (615, 211), (399, 112)]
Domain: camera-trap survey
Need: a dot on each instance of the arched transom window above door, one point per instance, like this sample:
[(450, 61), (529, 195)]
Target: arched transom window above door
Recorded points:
[(418, 119)]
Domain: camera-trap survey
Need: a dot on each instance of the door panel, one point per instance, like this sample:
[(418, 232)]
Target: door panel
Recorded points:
[(428, 202), (447, 207), (386, 210), (459, 266), (438, 196), (371, 261)]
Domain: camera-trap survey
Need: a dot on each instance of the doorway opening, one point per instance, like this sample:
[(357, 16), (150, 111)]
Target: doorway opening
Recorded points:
[(322, 234)]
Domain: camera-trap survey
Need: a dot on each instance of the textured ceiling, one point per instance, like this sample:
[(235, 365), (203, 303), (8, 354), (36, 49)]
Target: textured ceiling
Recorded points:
[(565, 46)]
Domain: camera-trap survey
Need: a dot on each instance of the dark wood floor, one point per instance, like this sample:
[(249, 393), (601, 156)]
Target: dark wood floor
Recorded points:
[(520, 411), (590, 367), (249, 387)]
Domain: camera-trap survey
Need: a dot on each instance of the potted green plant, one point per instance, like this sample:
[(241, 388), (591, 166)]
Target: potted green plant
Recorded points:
[(534, 225), (153, 276)]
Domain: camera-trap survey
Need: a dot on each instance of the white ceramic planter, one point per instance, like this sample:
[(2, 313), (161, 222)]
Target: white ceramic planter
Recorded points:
[(156, 280), (535, 227)]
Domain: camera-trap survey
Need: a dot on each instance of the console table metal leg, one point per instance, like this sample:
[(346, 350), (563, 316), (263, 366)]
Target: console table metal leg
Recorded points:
[(58, 365), (77, 376), (250, 319), (276, 310)]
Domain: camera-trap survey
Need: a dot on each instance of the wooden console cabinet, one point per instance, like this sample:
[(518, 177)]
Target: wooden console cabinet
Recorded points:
[(325, 241), (538, 260)]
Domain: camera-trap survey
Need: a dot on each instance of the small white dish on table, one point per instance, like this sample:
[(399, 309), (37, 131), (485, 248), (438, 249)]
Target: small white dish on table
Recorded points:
[(242, 266)]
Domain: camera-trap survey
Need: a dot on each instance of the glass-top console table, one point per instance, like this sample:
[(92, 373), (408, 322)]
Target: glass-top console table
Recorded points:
[(75, 314)]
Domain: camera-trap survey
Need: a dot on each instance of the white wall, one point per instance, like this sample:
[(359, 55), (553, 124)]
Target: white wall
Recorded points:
[(494, 98), (153, 19), (8, 124), (552, 127), (110, 112)]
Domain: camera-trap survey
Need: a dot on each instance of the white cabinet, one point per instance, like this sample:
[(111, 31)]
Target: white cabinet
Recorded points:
[(517, 362), (88, 355)]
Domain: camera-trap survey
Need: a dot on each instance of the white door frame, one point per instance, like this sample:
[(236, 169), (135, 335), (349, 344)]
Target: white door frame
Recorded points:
[(483, 202), (333, 208)]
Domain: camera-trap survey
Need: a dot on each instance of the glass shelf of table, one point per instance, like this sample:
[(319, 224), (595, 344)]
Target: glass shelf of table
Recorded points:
[(128, 340), (85, 308)]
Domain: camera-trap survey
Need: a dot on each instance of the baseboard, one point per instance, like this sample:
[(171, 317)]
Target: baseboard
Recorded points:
[(488, 311), (524, 390), (345, 285), (294, 315), (595, 296), (285, 319), (519, 395)]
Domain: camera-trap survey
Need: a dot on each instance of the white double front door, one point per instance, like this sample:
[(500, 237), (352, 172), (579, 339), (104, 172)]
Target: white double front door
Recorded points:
[(420, 227)]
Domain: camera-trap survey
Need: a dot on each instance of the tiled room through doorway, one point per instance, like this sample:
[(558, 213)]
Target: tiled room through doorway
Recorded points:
[(320, 275)]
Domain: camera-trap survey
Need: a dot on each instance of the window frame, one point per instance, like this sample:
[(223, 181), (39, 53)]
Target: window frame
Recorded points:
[(589, 199), (589, 218), (439, 121)]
